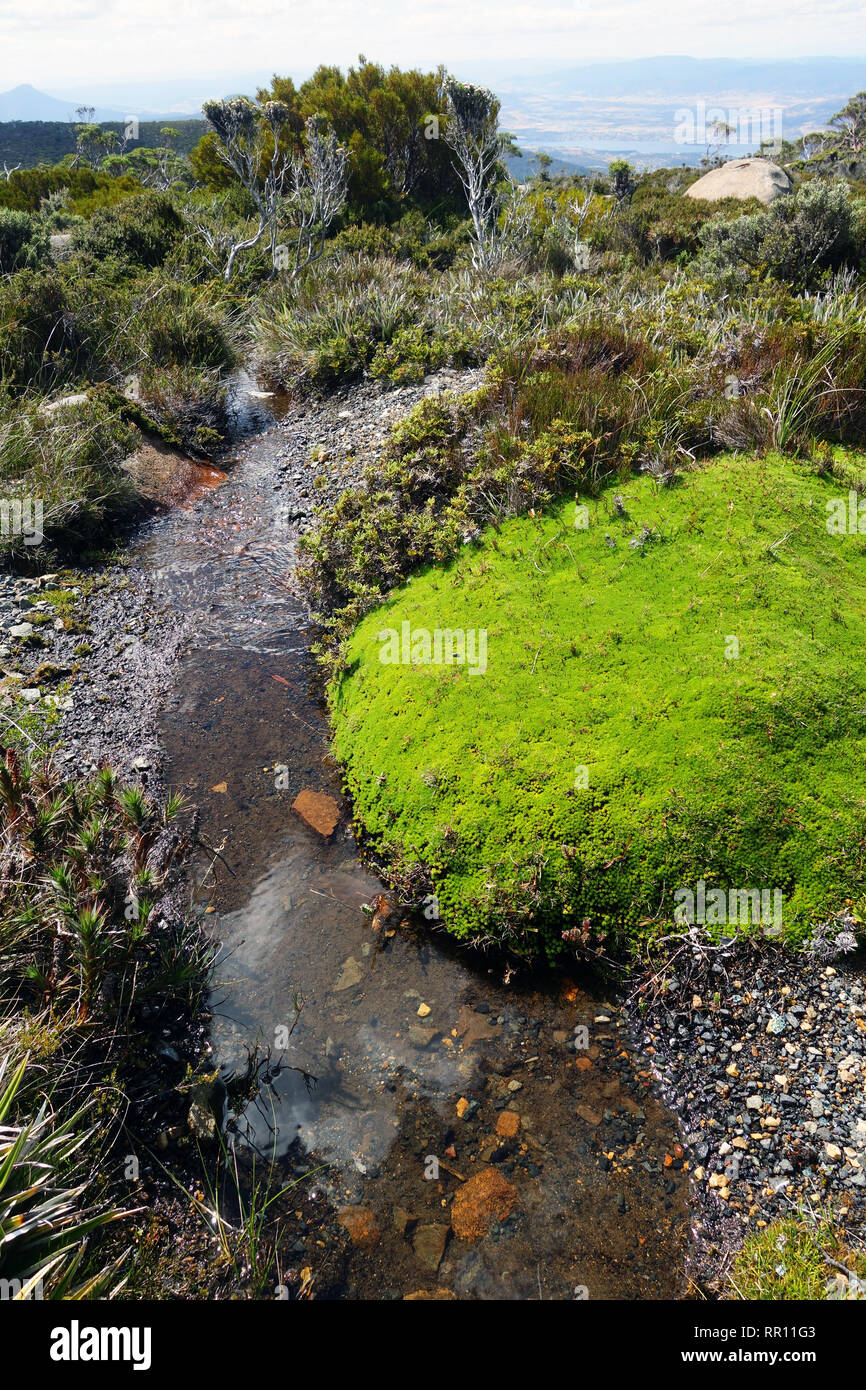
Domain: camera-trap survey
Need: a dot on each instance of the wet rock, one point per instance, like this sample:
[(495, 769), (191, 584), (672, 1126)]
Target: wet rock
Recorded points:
[(589, 1115), (361, 1225), (473, 1027), (421, 1037), (206, 1102), (483, 1199), (402, 1220), (350, 975), (320, 811), (508, 1124), (429, 1243)]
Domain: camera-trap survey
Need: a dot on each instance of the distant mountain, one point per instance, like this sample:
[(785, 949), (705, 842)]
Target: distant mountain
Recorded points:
[(524, 166), (26, 103), (180, 95)]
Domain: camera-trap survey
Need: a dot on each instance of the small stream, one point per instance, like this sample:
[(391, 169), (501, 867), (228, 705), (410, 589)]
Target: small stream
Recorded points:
[(598, 1206)]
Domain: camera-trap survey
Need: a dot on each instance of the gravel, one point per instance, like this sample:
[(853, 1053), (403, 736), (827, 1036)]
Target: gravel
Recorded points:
[(772, 1116)]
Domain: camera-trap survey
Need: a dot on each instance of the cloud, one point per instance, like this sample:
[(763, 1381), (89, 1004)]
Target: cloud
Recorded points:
[(64, 42)]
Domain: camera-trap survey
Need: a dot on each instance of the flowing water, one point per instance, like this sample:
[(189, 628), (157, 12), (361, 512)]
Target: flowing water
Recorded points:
[(375, 1099)]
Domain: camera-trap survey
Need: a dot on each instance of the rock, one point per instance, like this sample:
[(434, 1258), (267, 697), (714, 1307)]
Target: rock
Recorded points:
[(742, 178), (30, 696), (588, 1115), (485, 1198), (21, 630), (753, 1102), (462, 1107), (473, 1027), (423, 1010), (361, 1225), (62, 401), (61, 246), (402, 1220), (421, 1037), (514, 1086), (833, 1152), (205, 1100), (508, 1124), (429, 1244), (350, 975), (425, 1294), (320, 812)]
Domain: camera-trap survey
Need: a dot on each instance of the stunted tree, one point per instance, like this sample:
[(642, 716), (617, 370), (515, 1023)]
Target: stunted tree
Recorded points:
[(159, 167), (308, 185), (849, 126), (472, 133), (544, 162), (318, 190), (248, 142)]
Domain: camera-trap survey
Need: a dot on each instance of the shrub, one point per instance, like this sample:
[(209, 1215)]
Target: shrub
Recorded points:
[(71, 461), (798, 239), (140, 231), (22, 241), (40, 345)]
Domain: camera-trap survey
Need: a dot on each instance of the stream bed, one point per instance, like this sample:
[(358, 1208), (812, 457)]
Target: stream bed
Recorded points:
[(410, 1067)]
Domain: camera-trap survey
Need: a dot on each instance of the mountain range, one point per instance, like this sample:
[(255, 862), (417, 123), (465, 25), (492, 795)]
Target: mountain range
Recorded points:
[(575, 113)]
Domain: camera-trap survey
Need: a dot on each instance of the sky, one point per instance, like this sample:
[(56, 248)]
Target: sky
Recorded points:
[(62, 44)]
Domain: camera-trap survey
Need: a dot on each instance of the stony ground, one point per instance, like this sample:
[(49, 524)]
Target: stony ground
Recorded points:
[(329, 443), (85, 657), (762, 1054)]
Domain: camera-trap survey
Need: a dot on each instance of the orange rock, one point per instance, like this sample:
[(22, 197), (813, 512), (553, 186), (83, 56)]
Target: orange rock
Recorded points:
[(361, 1226), (583, 1064), (485, 1198), (508, 1124), (462, 1107), (473, 1027), (321, 812), (420, 1294), (591, 1117)]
